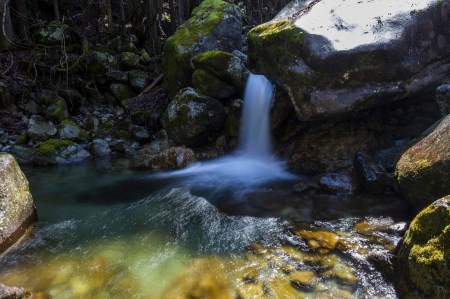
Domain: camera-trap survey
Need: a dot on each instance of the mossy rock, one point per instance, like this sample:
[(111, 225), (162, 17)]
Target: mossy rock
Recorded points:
[(129, 60), (54, 34), (424, 254), (423, 170), (212, 86), (138, 80), (100, 62), (191, 117), (214, 25), (121, 91), (57, 111), (69, 130), (52, 146)]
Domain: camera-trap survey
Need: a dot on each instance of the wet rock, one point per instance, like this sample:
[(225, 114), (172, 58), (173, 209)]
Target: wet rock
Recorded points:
[(17, 210), (330, 61), (423, 170), (138, 80), (121, 91), (69, 130), (191, 117), (141, 134), (342, 273), (129, 60), (7, 292), (443, 98), (232, 124), (303, 280), (339, 183), (212, 86), (172, 158), (99, 148), (57, 111), (214, 25), (371, 174), (40, 130), (424, 254), (322, 241)]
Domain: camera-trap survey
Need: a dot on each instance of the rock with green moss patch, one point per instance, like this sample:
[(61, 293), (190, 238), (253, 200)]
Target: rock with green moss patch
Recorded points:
[(69, 130), (214, 25), (129, 60), (101, 61), (57, 111), (424, 254), (40, 130), (56, 151), (138, 80), (332, 62), (191, 117), (423, 171), (210, 85), (121, 91)]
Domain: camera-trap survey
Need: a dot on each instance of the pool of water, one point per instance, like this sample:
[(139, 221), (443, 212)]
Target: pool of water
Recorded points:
[(105, 231)]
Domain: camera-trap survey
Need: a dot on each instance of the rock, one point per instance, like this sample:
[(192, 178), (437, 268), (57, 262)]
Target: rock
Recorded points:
[(212, 86), (4, 138), (138, 80), (232, 124), (228, 67), (7, 292), (120, 146), (55, 34), (72, 154), (32, 107), (100, 62), (423, 267), (74, 100), (191, 117), (55, 151), (342, 273), (69, 130), (387, 157), (57, 111), (303, 280), (332, 61), (121, 91), (443, 98), (23, 155), (146, 109), (17, 210), (172, 158), (117, 76), (321, 241), (99, 148), (40, 130), (214, 25), (339, 183), (141, 134), (129, 60), (371, 174), (423, 171)]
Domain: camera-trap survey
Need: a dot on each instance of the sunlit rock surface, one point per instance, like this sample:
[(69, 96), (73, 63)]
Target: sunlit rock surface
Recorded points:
[(424, 254), (17, 209), (333, 57)]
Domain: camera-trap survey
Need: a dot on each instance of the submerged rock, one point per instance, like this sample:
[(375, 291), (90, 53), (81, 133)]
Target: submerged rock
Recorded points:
[(17, 210), (423, 170), (331, 60), (7, 292), (424, 254), (191, 117), (214, 25)]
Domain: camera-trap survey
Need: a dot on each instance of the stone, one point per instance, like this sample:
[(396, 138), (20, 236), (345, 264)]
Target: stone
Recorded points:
[(191, 117), (7, 292), (24, 155), (4, 138), (371, 174), (117, 76), (121, 91), (331, 61), (303, 280), (100, 62), (120, 146), (322, 241), (72, 154), (32, 107), (172, 158), (339, 183), (214, 25), (212, 86), (57, 111), (423, 266), (99, 148), (48, 151), (232, 125), (69, 130), (54, 34), (146, 109), (40, 130), (422, 173), (443, 98), (342, 273), (141, 134), (138, 80), (17, 210), (129, 60)]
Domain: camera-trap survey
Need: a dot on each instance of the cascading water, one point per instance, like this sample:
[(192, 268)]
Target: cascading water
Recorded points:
[(253, 164)]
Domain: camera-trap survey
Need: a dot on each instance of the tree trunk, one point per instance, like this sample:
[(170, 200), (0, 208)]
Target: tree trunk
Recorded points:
[(56, 10), (6, 33), (109, 15)]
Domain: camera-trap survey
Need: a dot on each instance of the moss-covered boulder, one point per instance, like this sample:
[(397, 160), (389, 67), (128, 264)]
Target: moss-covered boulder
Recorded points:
[(332, 61), (100, 62), (129, 60), (17, 211), (56, 151), (210, 85), (214, 25), (57, 111), (191, 117), (40, 130), (121, 91), (69, 130), (228, 67), (423, 171), (424, 254)]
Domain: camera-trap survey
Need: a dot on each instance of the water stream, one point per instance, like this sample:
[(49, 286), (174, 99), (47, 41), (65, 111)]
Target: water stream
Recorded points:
[(105, 231)]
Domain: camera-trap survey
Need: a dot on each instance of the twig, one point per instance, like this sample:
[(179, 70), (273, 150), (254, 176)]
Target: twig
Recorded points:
[(148, 88), (10, 65)]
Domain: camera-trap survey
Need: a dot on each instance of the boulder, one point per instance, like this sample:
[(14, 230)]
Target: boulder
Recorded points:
[(17, 210), (212, 86), (443, 98), (121, 91), (172, 158), (69, 130), (99, 148), (141, 134), (55, 151), (423, 171), (371, 174), (40, 130), (331, 60), (191, 117), (423, 267), (214, 25), (54, 34)]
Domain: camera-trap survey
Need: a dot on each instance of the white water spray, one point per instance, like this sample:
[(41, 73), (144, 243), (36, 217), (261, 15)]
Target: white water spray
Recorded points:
[(254, 163)]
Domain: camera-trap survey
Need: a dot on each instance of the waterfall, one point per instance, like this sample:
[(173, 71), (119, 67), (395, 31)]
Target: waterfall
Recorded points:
[(255, 124)]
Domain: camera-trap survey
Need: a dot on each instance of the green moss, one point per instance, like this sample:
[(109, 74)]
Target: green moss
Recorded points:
[(212, 60), (23, 139), (52, 146), (107, 125), (57, 112)]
